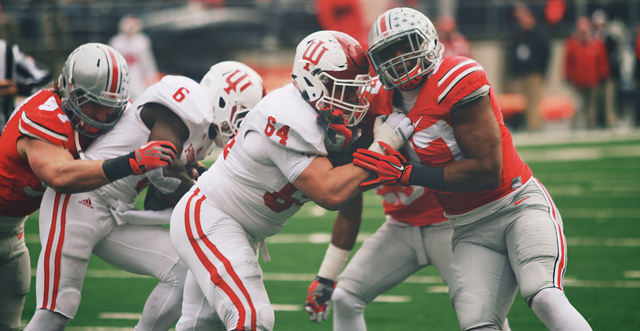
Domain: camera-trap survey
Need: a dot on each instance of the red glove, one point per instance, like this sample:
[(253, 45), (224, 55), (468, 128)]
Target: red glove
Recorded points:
[(318, 302), (154, 154), (337, 125), (391, 169)]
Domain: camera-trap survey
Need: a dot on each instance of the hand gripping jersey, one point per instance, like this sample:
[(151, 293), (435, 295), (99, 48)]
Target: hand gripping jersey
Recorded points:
[(181, 95), (415, 205), (41, 117), (458, 80), (251, 180)]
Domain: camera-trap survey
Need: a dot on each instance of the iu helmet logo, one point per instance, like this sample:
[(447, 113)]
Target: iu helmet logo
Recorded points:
[(232, 83), (314, 53)]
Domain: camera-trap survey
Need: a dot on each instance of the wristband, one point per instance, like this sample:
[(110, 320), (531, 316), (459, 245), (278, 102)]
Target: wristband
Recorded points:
[(432, 177), (118, 167), (325, 281), (333, 262)]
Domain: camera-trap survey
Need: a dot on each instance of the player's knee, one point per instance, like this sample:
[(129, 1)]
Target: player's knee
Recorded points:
[(23, 275), (531, 292), (547, 298), (483, 328), (44, 319), (472, 316), (265, 318), (347, 302), (176, 276)]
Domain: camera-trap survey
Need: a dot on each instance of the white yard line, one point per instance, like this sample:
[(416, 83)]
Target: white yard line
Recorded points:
[(323, 238), (425, 280), (96, 328), (558, 137), (393, 298), (579, 153)]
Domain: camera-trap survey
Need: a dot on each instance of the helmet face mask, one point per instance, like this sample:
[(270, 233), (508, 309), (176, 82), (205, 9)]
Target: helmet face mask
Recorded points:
[(331, 72), (345, 95), (94, 84), (402, 53)]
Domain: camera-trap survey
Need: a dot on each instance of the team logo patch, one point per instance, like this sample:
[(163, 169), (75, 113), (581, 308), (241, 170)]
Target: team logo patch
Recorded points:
[(86, 202)]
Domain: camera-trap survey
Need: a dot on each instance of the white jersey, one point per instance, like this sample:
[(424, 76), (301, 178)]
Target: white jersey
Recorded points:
[(186, 99), (251, 180)]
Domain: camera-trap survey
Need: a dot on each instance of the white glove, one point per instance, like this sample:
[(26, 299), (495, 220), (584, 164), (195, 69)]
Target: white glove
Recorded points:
[(128, 214), (164, 183), (394, 130)]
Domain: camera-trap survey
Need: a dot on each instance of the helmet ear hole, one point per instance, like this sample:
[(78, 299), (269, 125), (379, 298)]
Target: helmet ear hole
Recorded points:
[(306, 80), (213, 131)]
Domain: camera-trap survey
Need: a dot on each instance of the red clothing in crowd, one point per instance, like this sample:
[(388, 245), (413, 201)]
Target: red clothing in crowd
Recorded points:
[(344, 16), (585, 62), (637, 44)]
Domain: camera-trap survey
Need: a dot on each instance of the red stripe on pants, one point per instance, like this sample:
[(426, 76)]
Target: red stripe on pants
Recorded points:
[(215, 277)]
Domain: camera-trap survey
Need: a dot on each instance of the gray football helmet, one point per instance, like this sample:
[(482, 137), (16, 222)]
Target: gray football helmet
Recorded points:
[(411, 33), (94, 73)]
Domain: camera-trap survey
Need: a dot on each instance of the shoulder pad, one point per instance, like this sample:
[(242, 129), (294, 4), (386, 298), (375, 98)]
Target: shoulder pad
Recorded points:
[(183, 96), (456, 78), (41, 117), (286, 119)]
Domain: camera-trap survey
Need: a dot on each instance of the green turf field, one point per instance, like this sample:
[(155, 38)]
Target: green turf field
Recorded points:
[(596, 186)]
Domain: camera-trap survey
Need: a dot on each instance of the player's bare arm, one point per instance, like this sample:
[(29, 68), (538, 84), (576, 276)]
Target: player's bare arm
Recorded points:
[(478, 135), (164, 125), (343, 238), (347, 224), (56, 167), (330, 187)]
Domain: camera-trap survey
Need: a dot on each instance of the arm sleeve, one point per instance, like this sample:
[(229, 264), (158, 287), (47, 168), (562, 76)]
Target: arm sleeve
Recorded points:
[(464, 85)]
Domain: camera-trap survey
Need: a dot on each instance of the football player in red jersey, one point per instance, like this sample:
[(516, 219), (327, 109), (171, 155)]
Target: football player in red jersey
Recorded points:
[(503, 218), (40, 147), (415, 235)]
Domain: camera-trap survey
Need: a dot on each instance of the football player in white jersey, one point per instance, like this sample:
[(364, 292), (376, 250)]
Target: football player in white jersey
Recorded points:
[(275, 163), (105, 222)]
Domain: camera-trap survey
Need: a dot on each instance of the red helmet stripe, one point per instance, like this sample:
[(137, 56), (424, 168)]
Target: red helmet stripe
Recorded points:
[(383, 24), (114, 72)]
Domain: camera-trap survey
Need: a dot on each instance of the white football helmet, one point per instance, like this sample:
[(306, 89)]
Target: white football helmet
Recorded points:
[(403, 47), (233, 89), (331, 71), (94, 73)]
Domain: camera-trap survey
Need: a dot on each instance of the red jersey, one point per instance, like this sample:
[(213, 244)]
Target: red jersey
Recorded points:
[(585, 62), (414, 205), (433, 142), (41, 117)]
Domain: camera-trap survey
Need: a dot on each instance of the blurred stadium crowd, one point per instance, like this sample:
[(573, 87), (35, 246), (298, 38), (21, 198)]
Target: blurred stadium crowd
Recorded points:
[(571, 62)]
